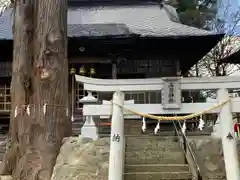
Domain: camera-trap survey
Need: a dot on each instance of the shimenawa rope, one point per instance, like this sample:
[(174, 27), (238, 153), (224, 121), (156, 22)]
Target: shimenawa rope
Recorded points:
[(172, 118)]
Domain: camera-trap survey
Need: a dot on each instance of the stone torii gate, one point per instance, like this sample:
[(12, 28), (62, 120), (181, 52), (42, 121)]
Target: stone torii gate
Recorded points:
[(171, 95)]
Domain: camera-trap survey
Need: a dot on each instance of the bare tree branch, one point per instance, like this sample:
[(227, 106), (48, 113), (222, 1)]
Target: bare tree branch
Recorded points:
[(212, 64), (4, 4)]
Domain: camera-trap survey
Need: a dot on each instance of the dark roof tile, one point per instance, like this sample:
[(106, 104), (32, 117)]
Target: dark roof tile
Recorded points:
[(76, 30), (147, 20)]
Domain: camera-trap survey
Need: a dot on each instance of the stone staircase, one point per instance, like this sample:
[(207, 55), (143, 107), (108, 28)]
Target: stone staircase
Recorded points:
[(151, 157), (77, 124), (104, 131)]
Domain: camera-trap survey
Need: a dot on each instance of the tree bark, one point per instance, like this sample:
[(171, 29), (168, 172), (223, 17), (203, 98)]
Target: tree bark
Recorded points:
[(39, 117)]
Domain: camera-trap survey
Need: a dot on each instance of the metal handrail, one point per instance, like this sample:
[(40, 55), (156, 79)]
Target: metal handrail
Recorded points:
[(186, 146)]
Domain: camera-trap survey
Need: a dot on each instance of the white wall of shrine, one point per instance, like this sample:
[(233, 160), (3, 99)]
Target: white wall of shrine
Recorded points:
[(156, 84)]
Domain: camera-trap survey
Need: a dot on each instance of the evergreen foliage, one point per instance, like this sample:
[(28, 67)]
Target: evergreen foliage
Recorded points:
[(197, 13)]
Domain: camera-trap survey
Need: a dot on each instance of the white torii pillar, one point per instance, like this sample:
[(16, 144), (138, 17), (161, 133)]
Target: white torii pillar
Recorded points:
[(228, 139), (117, 144)]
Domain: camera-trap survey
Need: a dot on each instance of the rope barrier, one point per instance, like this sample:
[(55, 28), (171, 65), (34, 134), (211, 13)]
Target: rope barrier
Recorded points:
[(172, 118)]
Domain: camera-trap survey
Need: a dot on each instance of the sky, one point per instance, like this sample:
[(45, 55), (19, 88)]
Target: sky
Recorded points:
[(233, 7)]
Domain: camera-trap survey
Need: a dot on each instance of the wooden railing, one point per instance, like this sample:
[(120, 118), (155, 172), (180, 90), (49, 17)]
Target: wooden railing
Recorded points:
[(79, 94), (5, 99)]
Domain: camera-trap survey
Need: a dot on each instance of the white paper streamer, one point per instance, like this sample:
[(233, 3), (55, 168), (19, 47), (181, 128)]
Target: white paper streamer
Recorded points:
[(201, 124), (72, 118), (157, 128), (67, 111), (44, 108), (15, 111), (28, 110), (184, 128), (144, 125)]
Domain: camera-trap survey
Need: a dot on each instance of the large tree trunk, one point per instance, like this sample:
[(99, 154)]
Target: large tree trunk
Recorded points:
[(39, 118)]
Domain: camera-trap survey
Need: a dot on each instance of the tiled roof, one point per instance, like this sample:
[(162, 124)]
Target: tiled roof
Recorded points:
[(143, 20), (97, 30), (147, 20)]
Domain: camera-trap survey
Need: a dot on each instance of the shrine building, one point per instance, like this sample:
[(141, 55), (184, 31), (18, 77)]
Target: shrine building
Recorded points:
[(109, 39)]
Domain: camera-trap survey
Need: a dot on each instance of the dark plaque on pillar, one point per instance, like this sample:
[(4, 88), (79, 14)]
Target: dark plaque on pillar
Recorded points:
[(171, 93)]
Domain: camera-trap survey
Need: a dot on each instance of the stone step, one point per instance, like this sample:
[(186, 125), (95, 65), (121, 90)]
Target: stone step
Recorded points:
[(150, 126), (149, 123), (104, 130), (139, 121), (76, 128), (171, 149), (158, 176), (142, 135), (132, 125), (215, 176), (152, 141), (104, 135), (156, 168), (153, 137), (133, 121), (77, 124), (76, 131), (78, 117), (153, 157), (147, 135)]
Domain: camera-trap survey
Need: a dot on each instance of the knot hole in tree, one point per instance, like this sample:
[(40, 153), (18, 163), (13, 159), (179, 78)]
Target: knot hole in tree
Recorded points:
[(54, 41)]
